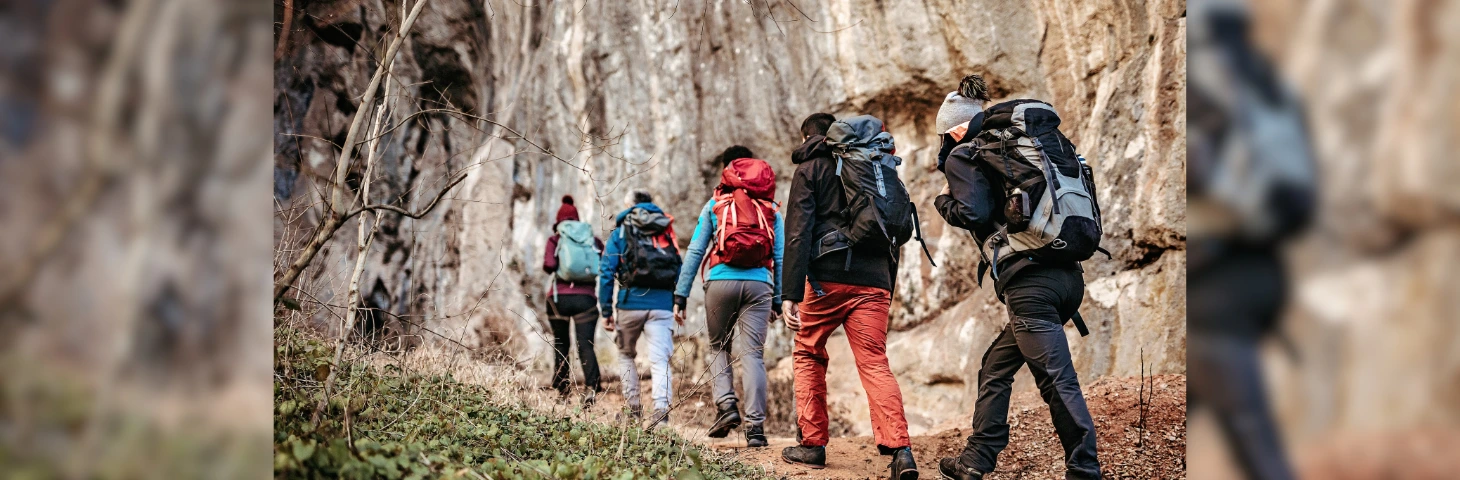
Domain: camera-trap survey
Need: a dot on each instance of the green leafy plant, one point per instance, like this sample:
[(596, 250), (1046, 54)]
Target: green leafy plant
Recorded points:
[(383, 422)]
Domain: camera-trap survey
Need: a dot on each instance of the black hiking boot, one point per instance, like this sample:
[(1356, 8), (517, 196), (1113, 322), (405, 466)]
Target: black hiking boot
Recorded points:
[(903, 467), (814, 457), (727, 420), (952, 469), (590, 398), (755, 437)]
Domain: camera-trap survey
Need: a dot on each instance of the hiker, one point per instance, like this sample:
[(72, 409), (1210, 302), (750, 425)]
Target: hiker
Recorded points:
[(852, 280), (737, 249), (1008, 168), (642, 258), (1253, 188), (572, 258)]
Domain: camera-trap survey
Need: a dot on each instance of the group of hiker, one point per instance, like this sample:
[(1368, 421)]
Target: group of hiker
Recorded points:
[(828, 258)]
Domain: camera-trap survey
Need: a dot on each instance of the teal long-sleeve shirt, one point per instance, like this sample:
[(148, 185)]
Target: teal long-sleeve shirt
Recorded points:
[(699, 245)]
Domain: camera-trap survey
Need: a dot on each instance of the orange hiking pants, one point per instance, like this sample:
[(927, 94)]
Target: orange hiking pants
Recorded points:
[(864, 312)]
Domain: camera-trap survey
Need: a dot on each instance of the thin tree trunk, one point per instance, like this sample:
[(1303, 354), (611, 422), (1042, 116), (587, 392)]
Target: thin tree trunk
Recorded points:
[(282, 47), (362, 244)]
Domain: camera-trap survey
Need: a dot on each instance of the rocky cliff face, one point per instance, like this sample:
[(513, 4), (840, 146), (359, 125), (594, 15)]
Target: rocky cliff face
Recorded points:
[(605, 97)]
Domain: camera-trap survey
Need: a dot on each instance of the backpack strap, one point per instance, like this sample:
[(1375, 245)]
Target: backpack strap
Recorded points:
[(1080, 324), (1052, 177), (815, 286), (918, 234)]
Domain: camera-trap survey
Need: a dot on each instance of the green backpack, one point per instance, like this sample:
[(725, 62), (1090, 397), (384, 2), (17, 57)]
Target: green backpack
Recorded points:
[(577, 257)]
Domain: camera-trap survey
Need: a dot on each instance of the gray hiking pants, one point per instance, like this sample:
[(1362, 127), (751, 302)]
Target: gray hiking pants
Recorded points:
[(658, 327), (746, 304), (1039, 298)]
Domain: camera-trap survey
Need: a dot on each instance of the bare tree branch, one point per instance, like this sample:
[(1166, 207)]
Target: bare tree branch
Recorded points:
[(416, 214), (336, 216)]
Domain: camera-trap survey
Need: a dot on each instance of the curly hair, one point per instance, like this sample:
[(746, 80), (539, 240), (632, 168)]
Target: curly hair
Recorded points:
[(974, 87)]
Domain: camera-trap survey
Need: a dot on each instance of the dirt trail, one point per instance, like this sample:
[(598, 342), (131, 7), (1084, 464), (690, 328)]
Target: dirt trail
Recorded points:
[(1034, 451)]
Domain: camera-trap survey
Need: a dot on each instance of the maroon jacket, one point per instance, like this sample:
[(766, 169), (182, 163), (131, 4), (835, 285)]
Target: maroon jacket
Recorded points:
[(550, 265)]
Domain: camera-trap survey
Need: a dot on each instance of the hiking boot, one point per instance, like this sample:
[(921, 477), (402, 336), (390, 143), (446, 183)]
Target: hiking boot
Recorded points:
[(755, 437), (631, 414), (814, 457), (952, 469), (589, 398), (903, 467), (659, 419), (727, 420)]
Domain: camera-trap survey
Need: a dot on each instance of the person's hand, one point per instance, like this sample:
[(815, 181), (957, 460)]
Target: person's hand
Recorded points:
[(947, 190), (608, 323), (791, 315), (679, 308)]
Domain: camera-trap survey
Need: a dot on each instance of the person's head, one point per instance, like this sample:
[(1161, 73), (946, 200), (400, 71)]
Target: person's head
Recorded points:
[(954, 115), (638, 196), (974, 87), (733, 153), (816, 124), (566, 212)]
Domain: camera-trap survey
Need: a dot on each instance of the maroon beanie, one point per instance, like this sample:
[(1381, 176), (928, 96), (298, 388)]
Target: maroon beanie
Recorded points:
[(567, 211)]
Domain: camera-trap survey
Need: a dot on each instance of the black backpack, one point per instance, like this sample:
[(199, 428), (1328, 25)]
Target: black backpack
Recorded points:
[(1050, 211), (879, 211), (650, 257)]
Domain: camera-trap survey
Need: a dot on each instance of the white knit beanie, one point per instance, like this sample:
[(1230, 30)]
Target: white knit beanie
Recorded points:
[(956, 110)]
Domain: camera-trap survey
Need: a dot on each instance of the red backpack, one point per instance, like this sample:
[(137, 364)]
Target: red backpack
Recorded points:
[(745, 233)]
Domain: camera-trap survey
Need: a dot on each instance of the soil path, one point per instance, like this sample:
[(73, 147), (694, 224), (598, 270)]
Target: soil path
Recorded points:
[(1128, 449)]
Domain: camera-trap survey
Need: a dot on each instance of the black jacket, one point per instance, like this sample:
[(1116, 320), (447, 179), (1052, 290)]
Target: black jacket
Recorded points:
[(814, 210)]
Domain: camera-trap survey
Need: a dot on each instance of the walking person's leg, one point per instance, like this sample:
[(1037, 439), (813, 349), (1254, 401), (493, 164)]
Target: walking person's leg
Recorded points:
[(866, 327), (722, 306), (755, 318), (1227, 376), (561, 341), (659, 330), (626, 336), (991, 410), (585, 327), (820, 315), (1039, 301)]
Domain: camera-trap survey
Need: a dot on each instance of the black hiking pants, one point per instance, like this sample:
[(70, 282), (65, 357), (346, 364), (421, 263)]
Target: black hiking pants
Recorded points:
[(1039, 299), (569, 315), (1234, 302)]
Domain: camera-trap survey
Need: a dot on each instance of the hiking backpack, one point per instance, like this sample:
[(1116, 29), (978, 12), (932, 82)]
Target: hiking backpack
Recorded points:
[(1050, 210), (879, 210), (745, 234), (1263, 175), (650, 257), (577, 256)]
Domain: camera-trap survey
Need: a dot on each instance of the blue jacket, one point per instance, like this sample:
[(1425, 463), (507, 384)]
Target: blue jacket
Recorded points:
[(628, 298), (699, 245)]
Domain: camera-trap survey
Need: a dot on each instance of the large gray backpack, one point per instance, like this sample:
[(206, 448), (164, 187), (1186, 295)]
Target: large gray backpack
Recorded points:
[(1050, 211)]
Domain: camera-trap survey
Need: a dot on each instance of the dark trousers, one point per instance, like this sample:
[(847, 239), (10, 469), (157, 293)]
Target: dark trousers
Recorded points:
[(1234, 300), (1227, 377), (1039, 299), (574, 314)]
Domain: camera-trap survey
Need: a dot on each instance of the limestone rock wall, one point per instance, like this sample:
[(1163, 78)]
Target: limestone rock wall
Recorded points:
[(605, 97)]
